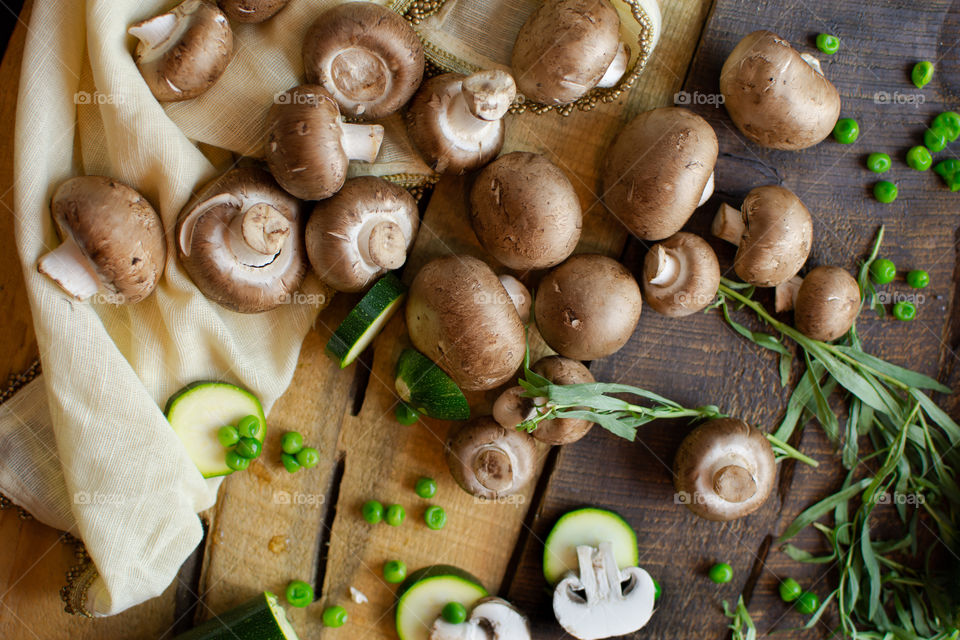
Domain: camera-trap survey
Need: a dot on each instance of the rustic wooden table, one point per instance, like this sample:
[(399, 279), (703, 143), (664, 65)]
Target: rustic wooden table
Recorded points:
[(255, 543)]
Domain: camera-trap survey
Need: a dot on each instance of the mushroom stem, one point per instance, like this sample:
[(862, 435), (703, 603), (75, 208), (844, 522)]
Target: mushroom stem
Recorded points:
[(71, 269), (257, 235), (489, 466), (386, 245), (616, 69), (512, 407), (728, 224), (668, 267), (160, 33), (361, 141), (734, 483), (785, 294), (707, 190), (489, 94)]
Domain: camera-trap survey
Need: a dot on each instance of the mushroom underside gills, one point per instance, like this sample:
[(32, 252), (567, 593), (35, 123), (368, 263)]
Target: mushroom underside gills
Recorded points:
[(257, 232), (616, 69), (728, 224), (361, 141), (70, 268)]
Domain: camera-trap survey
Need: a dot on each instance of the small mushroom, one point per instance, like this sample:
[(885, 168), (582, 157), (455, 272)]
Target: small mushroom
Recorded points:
[(362, 231), (456, 121), (183, 52), (777, 97), (112, 239), (366, 56), (601, 600), (252, 11), (309, 145), (488, 461), (773, 233), (724, 470), (827, 304), (525, 211), (240, 240), (519, 295), (491, 619), (588, 307), (681, 275)]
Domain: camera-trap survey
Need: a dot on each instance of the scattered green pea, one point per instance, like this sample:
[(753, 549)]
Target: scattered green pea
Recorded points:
[(935, 139), (878, 162), (807, 603), (426, 487), (335, 616), (291, 442), (394, 571), (904, 311), (949, 121), (846, 131), (790, 590), (289, 463), (395, 515), (249, 448), (249, 427), (228, 435), (435, 517), (405, 414), (883, 271), (721, 573), (827, 43), (947, 168), (919, 158), (885, 191), (236, 461), (299, 593), (308, 457), (954, 182), (657, 591), (372, 511), (454, 613), (922, 74), (918, 279)]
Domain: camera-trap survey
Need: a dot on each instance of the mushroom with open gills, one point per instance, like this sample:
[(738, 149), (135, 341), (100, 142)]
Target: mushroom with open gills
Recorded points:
[(183, 52), (362, 231), (681, 275), (525, 211), (658, 170), (252, 11), (773, 232), (456, 121), (112, 239), (240, 240), (488, 461), (366, 56), (490, 619), (309, 146), (725, 469), (826, 304)]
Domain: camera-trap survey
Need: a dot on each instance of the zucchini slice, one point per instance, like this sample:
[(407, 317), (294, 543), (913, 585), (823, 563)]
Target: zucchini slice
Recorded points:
[(425, 592), (365, 320), (261, 618), (590, 527), (198, 410), (425, 387)]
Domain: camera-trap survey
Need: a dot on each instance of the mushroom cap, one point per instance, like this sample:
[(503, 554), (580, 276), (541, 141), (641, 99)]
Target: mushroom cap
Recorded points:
[(183, 52), (204, 241), (774, 96), (493, 618), (564, 48), (489, 461), (562, 371), (116, 229), (725, 469), (681, 275), (338, 235), (460, 316), (368, 57), (778, 234), (252, 10), (657, 169), (525, 211), (588, 307), (827, 304)]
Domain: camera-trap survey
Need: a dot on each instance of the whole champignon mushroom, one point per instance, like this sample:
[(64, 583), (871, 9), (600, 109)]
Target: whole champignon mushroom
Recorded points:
[(112, 239), (240, 240), (827, 304), (681, 275), (362, 231), (773, 232), (183, 52), (368, 57), (252, 11), (309, 146), (658, 170), (525, 211), (725, 469), (588, 307), (456, 121), (488, 461), (777, 97), (461, 317), (491, 619)]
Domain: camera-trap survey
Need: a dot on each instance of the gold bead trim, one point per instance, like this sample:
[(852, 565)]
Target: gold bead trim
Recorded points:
[(79, 578)]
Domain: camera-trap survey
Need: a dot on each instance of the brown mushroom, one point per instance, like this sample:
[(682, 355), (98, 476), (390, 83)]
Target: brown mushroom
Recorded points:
[(777, 97), (658, 170), (112, 240), (773, 233), (252, 11), (183, 52), (309, 146), (681, 275), (827, 304), (362, 231), (525, 211), (366, 56), (725, 469), (488, 461)]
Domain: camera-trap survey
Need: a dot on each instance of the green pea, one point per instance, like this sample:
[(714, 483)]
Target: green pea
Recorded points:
[(878, 162), (790, 590), (291, 442), (289, 463), (249, 427), (954, 182), (299, 593), (919, 158), (236, 461), (918, 279), (395, 515), (405, 414), (308, 457), (721, 573), (372, 511), (249, 448), (904, 311), (885, 191), (935, 139), (846, 131), (947, 168), (454, 613), (807, 603), (827, 43), (949, 121), (394, 571), (435, 517), (922, 74), (883, 271), (657, 591), (426, 487), (335, 616), (228, 435)]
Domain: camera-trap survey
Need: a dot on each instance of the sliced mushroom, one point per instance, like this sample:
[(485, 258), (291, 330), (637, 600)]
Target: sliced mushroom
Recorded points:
[(519, 295), (183, 52), (725, 469), (240, 240), (112, 239), (362, 231), (488, 461), (366, 56), (491, 619), (681, 275), (525, 211), (827, 304), (658, 170), (309, 146), (253, 11), (456, 121)]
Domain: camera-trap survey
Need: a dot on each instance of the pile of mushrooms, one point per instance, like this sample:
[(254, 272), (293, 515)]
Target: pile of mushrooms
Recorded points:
[(825, 303), (681, 275), (491, 619), (490, 461)]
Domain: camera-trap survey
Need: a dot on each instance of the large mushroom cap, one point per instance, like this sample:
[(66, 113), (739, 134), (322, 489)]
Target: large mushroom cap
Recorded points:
[(775, 96), (368, 57), (252, 10), (588, 307), (827, 304), (681, 275), (562, 371), (361, 232), (725, 469), (525, 211), (489, 461)]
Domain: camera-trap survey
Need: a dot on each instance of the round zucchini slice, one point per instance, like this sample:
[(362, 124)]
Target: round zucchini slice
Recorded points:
[(589, 526), (425, 592), (425, 387), (366, 320)]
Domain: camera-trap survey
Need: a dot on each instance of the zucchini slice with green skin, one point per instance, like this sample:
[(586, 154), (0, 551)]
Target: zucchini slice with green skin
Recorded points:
[(426, 591), (365, 320), (261, 618), (425, 387), (198, 410), (589, 526)]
